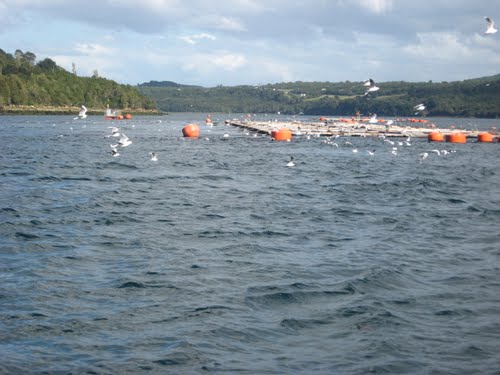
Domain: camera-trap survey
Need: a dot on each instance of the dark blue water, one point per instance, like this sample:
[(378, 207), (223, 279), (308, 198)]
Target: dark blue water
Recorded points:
[(218, 258)]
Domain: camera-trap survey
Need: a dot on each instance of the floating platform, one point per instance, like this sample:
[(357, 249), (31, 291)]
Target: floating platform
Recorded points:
[(353, 128)]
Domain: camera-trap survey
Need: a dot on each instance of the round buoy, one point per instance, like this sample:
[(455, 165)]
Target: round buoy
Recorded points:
[(128, 116), (281, 135), (456, 138), (485, 137), (322, 119), (191, 131), (120, 117), (435, 137)]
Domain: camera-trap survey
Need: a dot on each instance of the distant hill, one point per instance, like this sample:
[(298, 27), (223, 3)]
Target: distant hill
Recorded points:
[(478, 97), (163, 84), (26, 82)]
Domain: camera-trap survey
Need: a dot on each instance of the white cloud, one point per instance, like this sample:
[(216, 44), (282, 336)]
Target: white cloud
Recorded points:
[(216, 61), (377, 6), (193, 39), (229, 61), (227, 23), (94, 49), (445, 46), (219, 22)]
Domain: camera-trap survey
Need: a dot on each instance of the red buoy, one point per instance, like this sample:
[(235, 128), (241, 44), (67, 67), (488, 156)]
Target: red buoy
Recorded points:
[(128, 116), (281, 135), (456, 138), (485, 137), (191, 131), (435, 137)]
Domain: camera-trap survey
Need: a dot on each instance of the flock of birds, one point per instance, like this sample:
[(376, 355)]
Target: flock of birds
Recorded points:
[(395, 147), (122, 142)]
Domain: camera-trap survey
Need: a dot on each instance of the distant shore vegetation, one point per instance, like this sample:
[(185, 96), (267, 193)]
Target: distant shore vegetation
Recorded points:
[(31, 86), (28, 86), (469, 98)]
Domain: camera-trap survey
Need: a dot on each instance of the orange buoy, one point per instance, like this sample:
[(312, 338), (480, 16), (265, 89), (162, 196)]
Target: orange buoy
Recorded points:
[(435, 137), (456, 138), (485, 137), (191, 131), (281, 135), (322, 119), (128, 116), (120, 117)]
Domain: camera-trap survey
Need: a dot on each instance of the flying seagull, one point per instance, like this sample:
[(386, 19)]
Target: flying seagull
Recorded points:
[(124, 141), (371, 86), (491, 26), (114, 131), (419, 108), (82, 113)]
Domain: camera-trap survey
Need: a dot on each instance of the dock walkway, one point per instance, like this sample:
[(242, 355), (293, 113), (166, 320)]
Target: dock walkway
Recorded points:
[(355, 129)]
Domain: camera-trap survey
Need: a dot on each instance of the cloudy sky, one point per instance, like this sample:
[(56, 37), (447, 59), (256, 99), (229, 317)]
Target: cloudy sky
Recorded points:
[(233, 42)]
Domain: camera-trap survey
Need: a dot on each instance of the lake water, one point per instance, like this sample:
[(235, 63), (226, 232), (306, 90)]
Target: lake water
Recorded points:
[(218, 258)]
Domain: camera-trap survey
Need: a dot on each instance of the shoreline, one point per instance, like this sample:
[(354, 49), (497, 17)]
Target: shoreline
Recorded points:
[(71, 110)]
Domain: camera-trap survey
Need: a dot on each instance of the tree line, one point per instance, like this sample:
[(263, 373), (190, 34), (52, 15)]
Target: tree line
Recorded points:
[(478, 97), (24, 81)]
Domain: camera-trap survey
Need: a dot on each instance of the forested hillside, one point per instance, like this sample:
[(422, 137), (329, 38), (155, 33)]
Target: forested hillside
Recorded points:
[(469, 98), (24, 81)]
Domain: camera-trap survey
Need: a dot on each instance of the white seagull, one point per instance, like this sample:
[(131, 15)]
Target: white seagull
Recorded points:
[(290, 163), (152, 156), (491, 26), (373, 119), (124, 141), (423, 156), (372, 87), (114, 131), (419, 107), (82, 113), (114, 151)]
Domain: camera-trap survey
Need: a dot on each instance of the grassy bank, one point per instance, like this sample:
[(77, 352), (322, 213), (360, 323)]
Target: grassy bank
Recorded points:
[(68, 110)]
